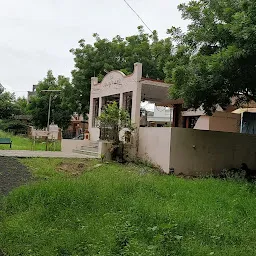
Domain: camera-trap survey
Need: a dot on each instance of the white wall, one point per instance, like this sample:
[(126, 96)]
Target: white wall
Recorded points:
[(162, 112), (154, 145), (94, 134), (67, 146)]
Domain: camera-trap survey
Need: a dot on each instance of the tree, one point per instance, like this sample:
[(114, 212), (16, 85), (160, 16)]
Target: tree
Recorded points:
[(114, 119), (9, 107), (7, 104), (61, 110), (118, 54), (21, 105), (111, 121), (221, 45)]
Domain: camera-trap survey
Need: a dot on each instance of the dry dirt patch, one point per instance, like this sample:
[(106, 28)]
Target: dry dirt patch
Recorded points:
[(73, 168)]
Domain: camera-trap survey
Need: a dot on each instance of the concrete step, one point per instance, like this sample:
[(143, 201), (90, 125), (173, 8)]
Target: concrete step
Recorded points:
[(86, 152), (90, 148)]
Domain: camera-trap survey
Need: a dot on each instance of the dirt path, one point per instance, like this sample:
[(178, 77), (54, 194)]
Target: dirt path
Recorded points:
[(12, 174)]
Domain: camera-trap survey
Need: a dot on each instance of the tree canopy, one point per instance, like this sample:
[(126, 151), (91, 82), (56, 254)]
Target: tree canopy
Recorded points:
[(118, 54), (221, 46), (21, 104), (61, 110), (8, 107)]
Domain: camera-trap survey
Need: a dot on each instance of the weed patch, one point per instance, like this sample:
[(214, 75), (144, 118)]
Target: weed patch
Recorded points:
[(115, 210)]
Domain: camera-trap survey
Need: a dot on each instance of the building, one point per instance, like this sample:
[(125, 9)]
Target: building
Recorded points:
[(31, 93), (78, 125), (160, 117), (128, 91), (193, 143)]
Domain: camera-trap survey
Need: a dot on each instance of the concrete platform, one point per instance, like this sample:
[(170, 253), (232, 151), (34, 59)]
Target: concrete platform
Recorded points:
[(48, 154)]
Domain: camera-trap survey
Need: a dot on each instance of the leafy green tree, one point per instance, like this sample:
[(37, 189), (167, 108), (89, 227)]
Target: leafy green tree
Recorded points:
[(114, 120), (221, 46), (111, 121), (21, 105), (7, 104), (61, 110), (117, 54)]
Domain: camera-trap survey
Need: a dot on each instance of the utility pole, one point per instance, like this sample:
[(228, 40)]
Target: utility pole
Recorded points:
[(49, 108), (49, 113)]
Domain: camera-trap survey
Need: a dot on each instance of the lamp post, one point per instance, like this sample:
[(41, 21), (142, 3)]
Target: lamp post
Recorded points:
[(49, 108)]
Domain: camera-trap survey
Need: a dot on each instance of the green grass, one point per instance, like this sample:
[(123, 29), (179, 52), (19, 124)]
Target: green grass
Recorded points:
[(23, 143), (126, 210)]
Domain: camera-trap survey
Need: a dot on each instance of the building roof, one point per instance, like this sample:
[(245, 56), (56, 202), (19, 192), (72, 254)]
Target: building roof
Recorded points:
[(170, 102)]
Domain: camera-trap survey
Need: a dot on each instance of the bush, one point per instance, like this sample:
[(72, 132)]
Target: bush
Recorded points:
[(14, 126)]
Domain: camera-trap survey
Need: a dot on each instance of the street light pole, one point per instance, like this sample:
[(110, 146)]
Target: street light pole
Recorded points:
[(49, 112), (49, 109)]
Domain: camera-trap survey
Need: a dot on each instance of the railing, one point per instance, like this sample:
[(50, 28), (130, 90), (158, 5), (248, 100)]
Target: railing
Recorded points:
[(109, 134)]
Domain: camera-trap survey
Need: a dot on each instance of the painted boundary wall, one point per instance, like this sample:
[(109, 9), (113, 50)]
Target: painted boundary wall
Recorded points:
[(195, 152), (154, 146)]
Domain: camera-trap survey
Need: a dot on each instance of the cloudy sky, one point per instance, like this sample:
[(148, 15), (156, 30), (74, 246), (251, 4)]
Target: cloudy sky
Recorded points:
[(36, 35)]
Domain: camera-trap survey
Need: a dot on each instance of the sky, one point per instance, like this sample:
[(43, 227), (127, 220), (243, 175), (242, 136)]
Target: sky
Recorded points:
[(36, 35)]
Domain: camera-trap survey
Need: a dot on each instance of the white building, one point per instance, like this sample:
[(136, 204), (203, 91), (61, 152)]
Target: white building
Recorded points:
[(161, 116)]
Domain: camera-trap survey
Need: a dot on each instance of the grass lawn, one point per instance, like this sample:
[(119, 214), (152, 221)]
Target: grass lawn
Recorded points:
[(22, 143), (75, 209)]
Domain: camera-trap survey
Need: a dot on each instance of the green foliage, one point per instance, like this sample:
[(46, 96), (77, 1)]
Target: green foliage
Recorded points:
[(115, 119), (7, 104), (117, 54), (221, 44), (61, 110), (126, 210), (15, 126), (114, 116), (22, 106)]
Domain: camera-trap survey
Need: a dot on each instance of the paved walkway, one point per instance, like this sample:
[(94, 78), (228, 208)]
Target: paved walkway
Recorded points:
[(53, 154)]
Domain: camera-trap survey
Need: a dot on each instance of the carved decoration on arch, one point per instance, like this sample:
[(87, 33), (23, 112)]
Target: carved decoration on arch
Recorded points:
[(113, 79)]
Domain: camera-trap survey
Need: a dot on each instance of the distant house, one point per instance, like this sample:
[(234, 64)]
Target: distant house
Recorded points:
[(227, 119), (161, 116), (31, 93), (77, 126)]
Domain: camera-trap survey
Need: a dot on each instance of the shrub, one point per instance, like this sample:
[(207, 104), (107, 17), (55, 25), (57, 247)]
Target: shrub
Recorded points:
[(14, 126)]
